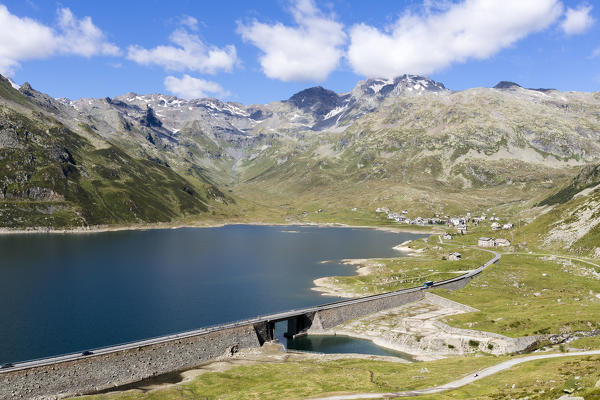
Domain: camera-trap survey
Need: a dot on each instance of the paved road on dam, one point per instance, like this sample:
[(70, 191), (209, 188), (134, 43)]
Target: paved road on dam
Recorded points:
[(462, 381), (259, 319)]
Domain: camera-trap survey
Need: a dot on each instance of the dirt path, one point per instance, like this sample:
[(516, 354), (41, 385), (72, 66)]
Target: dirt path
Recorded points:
[(459, 382)]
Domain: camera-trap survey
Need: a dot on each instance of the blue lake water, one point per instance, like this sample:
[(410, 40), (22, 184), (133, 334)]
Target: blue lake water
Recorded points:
[(66, 293), (340, 344)]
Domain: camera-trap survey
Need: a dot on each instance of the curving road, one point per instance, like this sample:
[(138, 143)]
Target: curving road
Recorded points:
[(459, 382)]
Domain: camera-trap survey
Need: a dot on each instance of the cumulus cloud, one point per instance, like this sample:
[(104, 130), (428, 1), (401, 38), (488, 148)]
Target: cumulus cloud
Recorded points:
[(189, 22), (308, 51), (82, 37), (422, 44), (189, 53), (23, 39), (577, 20), (194, 88)]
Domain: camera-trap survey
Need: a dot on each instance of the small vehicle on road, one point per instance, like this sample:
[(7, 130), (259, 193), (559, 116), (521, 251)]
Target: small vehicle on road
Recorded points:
[(428, 284), (87, 353), (7, 365)]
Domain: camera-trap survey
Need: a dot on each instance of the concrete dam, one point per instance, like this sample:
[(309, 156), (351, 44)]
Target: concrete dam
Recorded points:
[(109, 367)]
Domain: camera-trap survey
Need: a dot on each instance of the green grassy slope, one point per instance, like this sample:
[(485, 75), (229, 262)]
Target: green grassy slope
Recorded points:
[(51, 176), (538, 379), (466, 151), (573, 221)]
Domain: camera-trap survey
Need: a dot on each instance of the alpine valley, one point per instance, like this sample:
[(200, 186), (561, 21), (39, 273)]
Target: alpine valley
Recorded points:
[(319, 156)]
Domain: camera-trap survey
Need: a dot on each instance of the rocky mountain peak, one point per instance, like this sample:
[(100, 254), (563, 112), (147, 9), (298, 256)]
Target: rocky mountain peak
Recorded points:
[(41, 99), (317, 100), (417, 83), (27, 90), (507, 85), (401, 85), (377, 86)]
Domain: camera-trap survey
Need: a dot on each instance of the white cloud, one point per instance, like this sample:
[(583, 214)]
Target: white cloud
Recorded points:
[(189, 22), (82, 37), (23, 39), (422, 44), (306, 52), (577, 20), (193, 88), (595, 53), (188, 54)]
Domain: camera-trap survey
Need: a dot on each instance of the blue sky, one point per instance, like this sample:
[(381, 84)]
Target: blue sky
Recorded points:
[(261, 51)]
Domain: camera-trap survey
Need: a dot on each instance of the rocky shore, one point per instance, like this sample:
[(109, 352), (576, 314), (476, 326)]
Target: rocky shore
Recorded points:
[(417, 330)]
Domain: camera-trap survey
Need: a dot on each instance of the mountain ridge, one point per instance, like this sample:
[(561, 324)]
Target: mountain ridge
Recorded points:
[(402, 142)]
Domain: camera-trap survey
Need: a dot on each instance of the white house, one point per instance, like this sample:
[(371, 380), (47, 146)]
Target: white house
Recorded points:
[(496, 226), (447, 236), (455, 221), (454, 256), (485, 242), (502, 242), (508, 226)]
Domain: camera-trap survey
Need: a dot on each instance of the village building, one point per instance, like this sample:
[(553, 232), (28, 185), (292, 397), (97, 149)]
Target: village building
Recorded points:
[(502, 242), (485, 242), (447, 236), (419, 221), (457, 221), (508, 226), (454, 256), (496, 226)]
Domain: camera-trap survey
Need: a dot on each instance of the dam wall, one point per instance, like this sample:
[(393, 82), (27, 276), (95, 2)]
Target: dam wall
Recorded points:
[(330, 317), (327, 318), (105, 370)]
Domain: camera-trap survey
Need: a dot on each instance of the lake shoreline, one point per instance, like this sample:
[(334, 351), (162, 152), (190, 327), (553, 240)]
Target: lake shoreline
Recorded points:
[(117, 228), (327, 285)]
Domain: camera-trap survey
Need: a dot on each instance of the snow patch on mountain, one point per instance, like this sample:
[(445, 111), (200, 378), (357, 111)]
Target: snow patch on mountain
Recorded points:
[(13, 84), (335, 111)]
